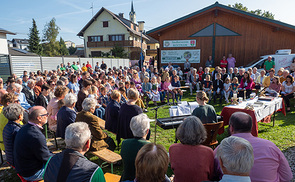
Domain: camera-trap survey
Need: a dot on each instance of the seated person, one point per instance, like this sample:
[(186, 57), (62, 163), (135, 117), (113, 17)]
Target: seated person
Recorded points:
[(177, 92), (206, 113), (112, 112), (208, 86), (246, 85), (288, 89), (42, 98), (151, 164), (265, 152), (70, 164), (30, 150), (66, 114), (217, 88), (268, 79), (14, 113), (274, 87), (190, 160), (87, 116), (194, 81), (139, 125), (146, 90), (236, 159)]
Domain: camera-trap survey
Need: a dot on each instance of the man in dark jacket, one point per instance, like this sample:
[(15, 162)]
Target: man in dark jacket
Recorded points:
[(30, 150), (14, 113), (71, 165), (112, 112), (29, 92)]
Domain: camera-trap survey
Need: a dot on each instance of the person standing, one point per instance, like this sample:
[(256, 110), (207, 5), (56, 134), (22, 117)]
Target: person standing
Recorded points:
[(209, 62), (268, 64), (187, 66), (231, 61), (223, 62)]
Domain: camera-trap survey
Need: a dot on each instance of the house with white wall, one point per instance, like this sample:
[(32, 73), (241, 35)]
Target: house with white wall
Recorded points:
[(3, 41), (106, 30)]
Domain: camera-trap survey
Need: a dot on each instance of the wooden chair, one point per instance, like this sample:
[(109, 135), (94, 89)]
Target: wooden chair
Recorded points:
[(112, 177), (212, 131), (108, 156)]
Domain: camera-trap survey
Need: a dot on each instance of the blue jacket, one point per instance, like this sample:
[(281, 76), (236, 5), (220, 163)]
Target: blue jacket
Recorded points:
[(30, 150), (65, 116), (9, 133), (82, 170)]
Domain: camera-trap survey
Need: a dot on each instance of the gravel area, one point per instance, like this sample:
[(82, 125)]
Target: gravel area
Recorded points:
[(290, 156)]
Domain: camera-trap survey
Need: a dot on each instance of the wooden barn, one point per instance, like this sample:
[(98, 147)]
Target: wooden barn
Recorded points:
[(218, 30)]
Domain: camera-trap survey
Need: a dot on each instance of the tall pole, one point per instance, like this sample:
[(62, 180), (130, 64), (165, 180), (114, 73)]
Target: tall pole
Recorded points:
[(141, 56), (92, 8)]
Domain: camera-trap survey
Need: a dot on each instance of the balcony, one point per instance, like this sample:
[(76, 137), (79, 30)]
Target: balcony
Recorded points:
[(124, 43), (151, 52)]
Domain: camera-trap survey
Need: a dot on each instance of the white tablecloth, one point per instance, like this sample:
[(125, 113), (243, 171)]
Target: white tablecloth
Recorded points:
[(268, 108), (183, 108)]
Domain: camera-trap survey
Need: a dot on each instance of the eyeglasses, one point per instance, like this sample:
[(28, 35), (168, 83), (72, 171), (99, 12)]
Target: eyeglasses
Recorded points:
[(47, 114)]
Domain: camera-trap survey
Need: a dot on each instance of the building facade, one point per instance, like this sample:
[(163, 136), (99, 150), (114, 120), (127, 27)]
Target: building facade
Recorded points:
[(107, 30), (218, 30)]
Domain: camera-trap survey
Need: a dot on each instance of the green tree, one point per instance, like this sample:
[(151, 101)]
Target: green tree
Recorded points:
[(72, 50), (34, 39), (63, 49), (51, 31), (266, 14), (119, 51), (51, 47)]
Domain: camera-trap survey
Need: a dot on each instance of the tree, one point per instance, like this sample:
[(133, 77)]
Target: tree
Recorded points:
[(266, 14), (34, 39), (119, 51), (72, 50), (51, 46), (63, 49), (51, 31)]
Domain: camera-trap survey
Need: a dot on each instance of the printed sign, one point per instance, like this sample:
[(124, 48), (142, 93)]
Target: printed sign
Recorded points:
[(180, 56), (179, 43)]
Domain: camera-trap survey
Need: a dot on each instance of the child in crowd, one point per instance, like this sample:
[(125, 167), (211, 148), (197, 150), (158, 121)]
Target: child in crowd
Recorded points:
[(103, 97), (160, 89), (207, 86), (166, 88), (217, 88), (177, 92), (123, 95), (155, 92), (139, 102), (146, 89), (234, 86), (226, 89), (99, 111)]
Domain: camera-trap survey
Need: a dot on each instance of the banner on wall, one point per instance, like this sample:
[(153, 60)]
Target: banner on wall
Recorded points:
[(180, 56), (179, 43)]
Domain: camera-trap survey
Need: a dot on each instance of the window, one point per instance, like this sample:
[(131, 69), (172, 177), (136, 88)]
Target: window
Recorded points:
[(105, 24), (95, 38), (116, 37), (148, 47), (95, 53)]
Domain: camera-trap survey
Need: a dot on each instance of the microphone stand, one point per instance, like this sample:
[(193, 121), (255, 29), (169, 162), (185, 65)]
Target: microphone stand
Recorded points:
[(156, 117)]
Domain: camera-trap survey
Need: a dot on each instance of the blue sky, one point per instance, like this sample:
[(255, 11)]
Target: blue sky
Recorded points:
[(72, 15)]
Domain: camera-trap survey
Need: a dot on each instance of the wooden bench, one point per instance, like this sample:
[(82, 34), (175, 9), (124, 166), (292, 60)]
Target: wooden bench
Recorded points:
[(112, 177), (108, 156)]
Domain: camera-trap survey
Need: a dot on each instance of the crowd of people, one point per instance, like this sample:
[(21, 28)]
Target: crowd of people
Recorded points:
[(76, 100)]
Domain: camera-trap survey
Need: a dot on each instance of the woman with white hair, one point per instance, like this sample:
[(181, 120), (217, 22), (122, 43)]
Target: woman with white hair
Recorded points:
[(190, 160), (140, 126), (86, 115), (14, 113), (21, 97), (66, 114)]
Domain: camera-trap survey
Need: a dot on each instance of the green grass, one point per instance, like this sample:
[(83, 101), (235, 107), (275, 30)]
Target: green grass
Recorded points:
[(282, 134)]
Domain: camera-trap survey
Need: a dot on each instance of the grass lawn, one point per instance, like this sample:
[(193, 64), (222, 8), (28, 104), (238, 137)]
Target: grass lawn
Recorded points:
[(282, 134)]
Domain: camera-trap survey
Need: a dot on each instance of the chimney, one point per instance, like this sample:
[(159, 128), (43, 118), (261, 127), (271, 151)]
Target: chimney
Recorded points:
[(141, 26), (121, 15)]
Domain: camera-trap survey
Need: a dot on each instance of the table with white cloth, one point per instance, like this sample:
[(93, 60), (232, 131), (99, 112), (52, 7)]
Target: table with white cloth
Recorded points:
[(260, 113), (183, 108)]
